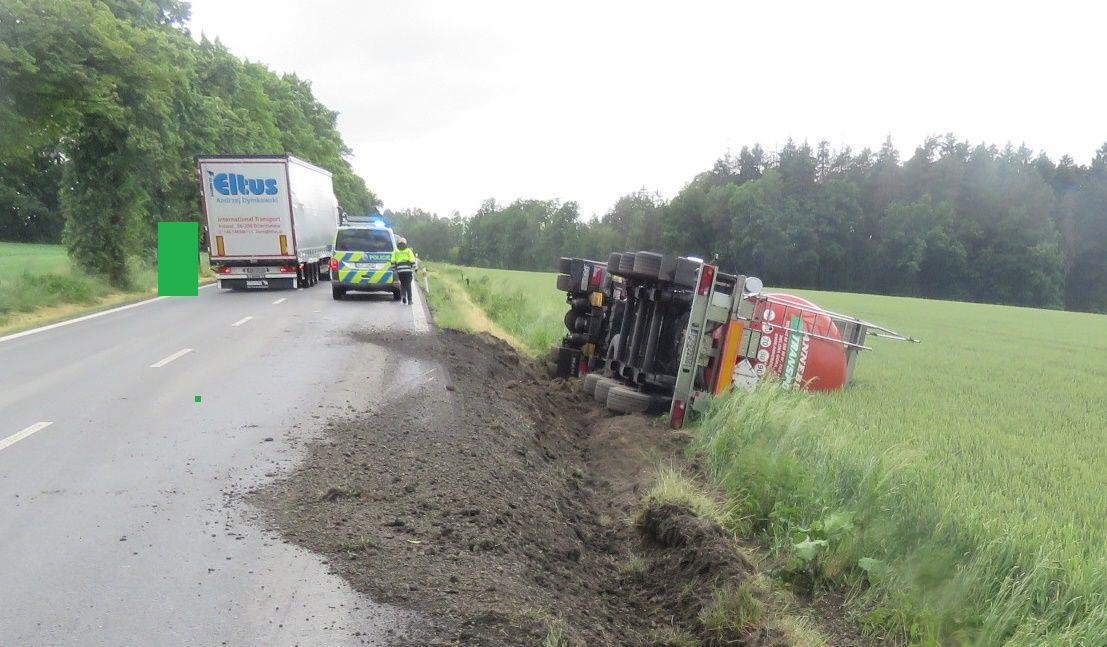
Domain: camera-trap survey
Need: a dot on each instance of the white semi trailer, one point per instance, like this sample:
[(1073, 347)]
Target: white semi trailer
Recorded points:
[(271, 220)]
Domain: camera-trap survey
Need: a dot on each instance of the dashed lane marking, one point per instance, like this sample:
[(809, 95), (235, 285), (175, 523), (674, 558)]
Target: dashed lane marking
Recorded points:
[(20, 435), (241, 321), (176, 355)]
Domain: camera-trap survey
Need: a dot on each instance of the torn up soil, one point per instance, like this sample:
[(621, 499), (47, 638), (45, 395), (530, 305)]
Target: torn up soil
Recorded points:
[(503, 508)]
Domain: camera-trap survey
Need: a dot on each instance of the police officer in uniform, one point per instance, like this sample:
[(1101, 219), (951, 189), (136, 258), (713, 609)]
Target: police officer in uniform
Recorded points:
[(404, 264)]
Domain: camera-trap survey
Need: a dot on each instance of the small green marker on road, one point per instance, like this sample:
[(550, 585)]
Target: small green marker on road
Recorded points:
[(196, 399)]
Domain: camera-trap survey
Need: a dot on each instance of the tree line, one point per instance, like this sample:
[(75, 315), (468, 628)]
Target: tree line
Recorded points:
[(953, 221), (104, 105)]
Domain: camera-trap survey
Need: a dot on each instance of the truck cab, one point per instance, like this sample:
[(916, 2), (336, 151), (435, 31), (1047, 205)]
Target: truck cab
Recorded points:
[(362, 260)]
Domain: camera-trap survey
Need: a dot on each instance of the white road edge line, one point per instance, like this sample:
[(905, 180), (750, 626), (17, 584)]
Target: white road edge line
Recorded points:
[(241, 321), (87, 317), (418, 317), (176, 355), (279, 301), (20, 435)]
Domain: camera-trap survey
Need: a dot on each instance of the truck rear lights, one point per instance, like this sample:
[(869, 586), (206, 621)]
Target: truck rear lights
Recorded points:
[(289, 269), (223, 269), (707, 275)]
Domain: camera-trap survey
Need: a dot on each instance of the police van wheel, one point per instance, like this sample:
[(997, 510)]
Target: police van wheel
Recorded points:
[(395, 295), (337, 293)]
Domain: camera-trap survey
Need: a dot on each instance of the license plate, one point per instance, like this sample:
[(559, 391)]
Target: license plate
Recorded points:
[(365, 266), (257, 284), (255, 270)]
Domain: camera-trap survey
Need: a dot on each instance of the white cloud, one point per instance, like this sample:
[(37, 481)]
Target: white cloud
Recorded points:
[(448, 103)]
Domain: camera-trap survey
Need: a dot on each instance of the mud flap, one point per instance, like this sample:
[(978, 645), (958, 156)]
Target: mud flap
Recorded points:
[(564, 361)]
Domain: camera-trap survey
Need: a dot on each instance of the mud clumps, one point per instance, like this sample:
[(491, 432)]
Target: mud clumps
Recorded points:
[(695, 573), (501, 511)]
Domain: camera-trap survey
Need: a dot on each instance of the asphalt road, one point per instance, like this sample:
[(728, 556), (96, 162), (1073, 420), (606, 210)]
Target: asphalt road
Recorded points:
[(120, 516)]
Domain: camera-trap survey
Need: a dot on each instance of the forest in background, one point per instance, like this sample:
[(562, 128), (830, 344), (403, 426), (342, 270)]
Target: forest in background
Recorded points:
[(952, 221), (104, 106)]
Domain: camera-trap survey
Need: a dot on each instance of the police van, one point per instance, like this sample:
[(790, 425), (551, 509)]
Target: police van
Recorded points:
[(362, 260)]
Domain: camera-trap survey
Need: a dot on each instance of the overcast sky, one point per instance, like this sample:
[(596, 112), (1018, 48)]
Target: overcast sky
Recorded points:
[(448, 103)]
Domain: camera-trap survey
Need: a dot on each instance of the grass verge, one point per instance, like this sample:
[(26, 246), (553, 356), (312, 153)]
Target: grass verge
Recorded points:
[(468, 299), (40, 285)]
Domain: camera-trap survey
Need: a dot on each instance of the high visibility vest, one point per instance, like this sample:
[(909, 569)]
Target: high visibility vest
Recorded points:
[(404, 260)]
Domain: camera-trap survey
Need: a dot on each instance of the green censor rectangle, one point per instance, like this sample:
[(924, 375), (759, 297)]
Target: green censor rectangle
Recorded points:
[(178, 259)]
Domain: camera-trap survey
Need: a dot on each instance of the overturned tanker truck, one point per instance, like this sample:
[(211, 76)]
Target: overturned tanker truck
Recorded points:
[(649, 332)]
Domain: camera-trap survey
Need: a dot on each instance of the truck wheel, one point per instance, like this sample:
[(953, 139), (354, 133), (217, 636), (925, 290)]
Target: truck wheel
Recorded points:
[(647, 265), (325, 269), (626, 264), (622, 399), (684, 273), (565, 283), (572, 321), (603, 385), (337, 292), (588, 384)]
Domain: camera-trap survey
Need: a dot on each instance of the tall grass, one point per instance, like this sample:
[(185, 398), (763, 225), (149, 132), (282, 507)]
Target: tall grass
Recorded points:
[(517, 302), (873, 522)]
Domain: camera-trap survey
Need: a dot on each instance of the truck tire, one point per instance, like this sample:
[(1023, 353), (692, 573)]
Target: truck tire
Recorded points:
[(622, 399), (647, 265), (325, 274), (588, 384), (572, 321), (564, 265), (685, 271), (565, 283), (603, 385), (626, 264), (337, 292)]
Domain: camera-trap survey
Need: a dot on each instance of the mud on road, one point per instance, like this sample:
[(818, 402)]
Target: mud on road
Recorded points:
[(503, 508)]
